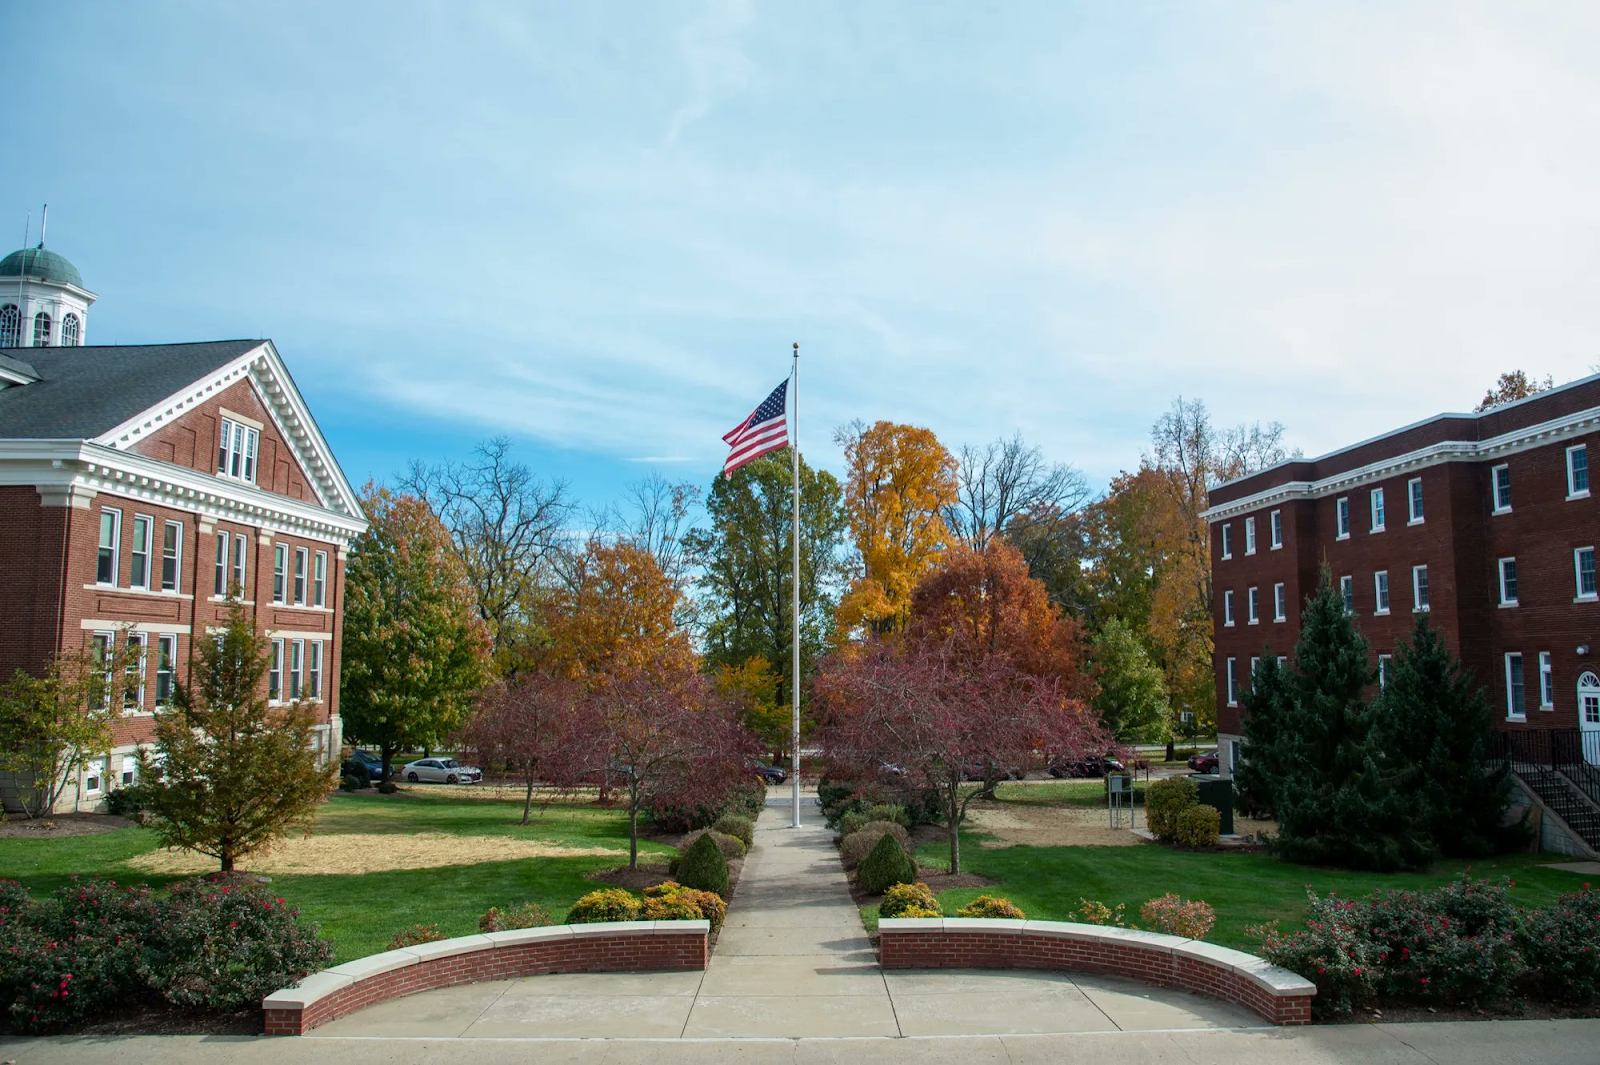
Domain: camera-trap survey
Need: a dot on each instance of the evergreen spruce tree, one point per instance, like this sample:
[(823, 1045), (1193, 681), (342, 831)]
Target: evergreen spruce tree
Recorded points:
[(1432, 720), (1266, 707), (1336, 802)]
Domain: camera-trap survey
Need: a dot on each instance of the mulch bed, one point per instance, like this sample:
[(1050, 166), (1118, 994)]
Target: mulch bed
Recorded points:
[(1520, 1010), (156, 1021), (59, 825)]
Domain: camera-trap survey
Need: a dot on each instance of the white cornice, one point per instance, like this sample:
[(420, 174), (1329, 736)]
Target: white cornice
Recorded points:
[(55, 466), (1548, 432)]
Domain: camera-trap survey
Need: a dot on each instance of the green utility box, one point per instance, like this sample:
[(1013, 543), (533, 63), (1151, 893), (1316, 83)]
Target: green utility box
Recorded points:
[(1217, 791)]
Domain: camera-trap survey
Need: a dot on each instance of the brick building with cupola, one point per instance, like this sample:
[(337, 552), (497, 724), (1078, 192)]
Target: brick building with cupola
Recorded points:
[(144, 489), (1487, 522)]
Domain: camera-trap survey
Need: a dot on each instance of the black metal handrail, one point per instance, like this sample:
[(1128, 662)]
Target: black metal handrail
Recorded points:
[(1570, 758)]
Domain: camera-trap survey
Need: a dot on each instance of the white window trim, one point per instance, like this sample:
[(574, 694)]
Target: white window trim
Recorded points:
[(177, 559), (1500, 573), (1227, 541), (1275, 529), (1412, 517), (238, 562), (280, 574), (224, 543), (1547, 682), (1571, 495), (275, 672), (1513, 715), (116, 548), (1227, 607), (1250, 535), (297, 671), (1494, 488), (1384, 662), (1280, 605), (164, 640), (319, 580), (141, 640), (1348, 600), (149, 543), (1377, 503), (95, 768), (1233, 693), (1341, 509), (1380, 595), (110, 638), (249, 450), (1252, 605), (1416, 588), (315, 658), (302, 574), (1579, 595)]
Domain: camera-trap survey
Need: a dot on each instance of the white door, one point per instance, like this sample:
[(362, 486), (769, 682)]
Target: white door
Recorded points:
[(1589, 717)]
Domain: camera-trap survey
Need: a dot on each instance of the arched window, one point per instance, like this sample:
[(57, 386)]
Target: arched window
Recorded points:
[(69, 331), (41, 330), (10, 326)]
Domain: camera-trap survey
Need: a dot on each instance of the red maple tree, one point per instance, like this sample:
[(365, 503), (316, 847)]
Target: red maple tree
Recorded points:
[(529, 725)]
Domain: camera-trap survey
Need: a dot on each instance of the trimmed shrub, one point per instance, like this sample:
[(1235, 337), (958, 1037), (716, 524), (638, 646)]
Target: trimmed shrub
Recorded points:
[(352, 767), (661, 890), (888, 864), (703, 866), (738, 826), (607, 904), (1093, 912), (1191, 919), (854, 848), (421, 933), (1198, 826), (730, 846), (889, 811), (126, 800), (708, 904), (528, 915), (991, 906), (853, 822), (668, 908), (1560, 943), (1331, 953), (1165, 800), (904, 897), (349, 783)]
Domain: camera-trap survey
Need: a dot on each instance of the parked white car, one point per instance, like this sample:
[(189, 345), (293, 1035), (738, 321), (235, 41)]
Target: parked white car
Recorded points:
[(441, 771)]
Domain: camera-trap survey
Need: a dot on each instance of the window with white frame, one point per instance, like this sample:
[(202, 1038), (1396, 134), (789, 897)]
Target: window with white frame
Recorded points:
[(130, 770), (1341, 510), (1254, 604), (236, 451), (1254, 662), (1383, 671), (280, 572), (133, 673), (221, 584), (1547, 682), (1583, 572), (1377, 510), (1275, 519), (1380, 590), (314, 671), (1227, 607), (1250, 535), (1347, 592), (301, 558), (1414, 501), (1227, 540), (105, 566), (1233, 693), (1516, 697), (1280, 602), (1577, 471), (41, 330), (166, 656), (139, 557), (319, 580), (1419, 588), (10, 326), (100, 645), (1508, 582), (275, 673), (1500, 481), (297, 665), (1283, 661), (171, 556), (240, 544), (71, 331), (94, 776)]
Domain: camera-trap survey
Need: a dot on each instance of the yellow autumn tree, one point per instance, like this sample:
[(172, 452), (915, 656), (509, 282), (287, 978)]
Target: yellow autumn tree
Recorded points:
[(899, 480), (750, 687), (616, 612)]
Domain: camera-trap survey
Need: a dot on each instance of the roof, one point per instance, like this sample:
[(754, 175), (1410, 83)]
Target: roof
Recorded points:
[(86, 391), (41, 263)]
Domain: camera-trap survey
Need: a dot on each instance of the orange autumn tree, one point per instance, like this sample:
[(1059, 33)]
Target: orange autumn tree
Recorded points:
[(617, 611), (899, 480)]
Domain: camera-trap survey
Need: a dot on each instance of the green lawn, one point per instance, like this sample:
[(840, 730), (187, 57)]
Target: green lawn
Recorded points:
[(1060, 792), (360, 911)]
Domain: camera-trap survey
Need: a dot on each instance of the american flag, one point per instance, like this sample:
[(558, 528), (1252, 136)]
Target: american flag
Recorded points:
[(765, 430)]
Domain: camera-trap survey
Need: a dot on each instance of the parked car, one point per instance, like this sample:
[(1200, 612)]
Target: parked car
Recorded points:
[(373, 763), (978, 771), (1205, 762), (441, 771), (1090, 766), (769, 774)]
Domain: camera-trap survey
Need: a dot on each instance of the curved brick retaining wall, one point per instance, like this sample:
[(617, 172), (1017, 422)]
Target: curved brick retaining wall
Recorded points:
[(618, 946), (1277, 994)]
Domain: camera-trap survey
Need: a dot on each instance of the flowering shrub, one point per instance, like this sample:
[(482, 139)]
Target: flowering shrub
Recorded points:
[(1093, 912), (528, 915), (904, 897), (1560, 942), (421, 933), (991, 906), (1192, 919), (607, 904), (1331, 952)]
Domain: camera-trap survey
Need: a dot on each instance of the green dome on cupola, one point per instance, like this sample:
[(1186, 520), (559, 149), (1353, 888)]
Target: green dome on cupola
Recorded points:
[(40, 264)]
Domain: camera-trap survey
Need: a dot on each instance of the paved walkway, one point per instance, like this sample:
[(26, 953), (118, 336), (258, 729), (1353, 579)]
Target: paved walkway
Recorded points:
[(792, 961)]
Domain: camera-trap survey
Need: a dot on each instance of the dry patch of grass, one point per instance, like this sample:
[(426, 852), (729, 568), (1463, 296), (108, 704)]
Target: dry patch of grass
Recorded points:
[(1010, 825), (369, 853)]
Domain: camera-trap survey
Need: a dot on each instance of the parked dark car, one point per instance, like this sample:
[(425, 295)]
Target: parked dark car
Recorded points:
[(1092, 766), (373, 763), (1205, 762), (978, 771), (769, 774)]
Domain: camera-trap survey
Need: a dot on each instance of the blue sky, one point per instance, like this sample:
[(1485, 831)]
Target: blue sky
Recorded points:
[(598, 227)]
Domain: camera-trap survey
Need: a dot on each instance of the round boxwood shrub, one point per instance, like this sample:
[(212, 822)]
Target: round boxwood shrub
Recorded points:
[(889, 811), (887, 865), (738, 826), (710, 905), (607, 904), (528, 915), (902, 898), (1165, 800), (853, 822), (854, 848), (703, 867), (991, 906), (731, 846), (668, 908), (1198, 826)]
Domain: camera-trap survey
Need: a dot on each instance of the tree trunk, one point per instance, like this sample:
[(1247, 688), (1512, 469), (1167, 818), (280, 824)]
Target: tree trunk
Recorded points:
[(1172, 750), (953, 813), (387, 769), (527, 802), (227, 861), (633, 830)]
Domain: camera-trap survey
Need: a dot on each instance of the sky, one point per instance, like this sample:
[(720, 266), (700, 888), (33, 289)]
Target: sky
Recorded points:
[(598, 228)]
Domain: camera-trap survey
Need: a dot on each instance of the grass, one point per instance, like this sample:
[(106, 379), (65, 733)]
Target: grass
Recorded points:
[(1058, 793), (360, 912)]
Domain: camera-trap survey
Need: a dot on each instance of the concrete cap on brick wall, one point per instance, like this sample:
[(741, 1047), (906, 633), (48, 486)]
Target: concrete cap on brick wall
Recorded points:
[(312, 989), (449, 948), (1133, 937), (516, 937), (1270, 978), (641, 928), (984, 924), (682, 928), (376, 964), (911, 924)]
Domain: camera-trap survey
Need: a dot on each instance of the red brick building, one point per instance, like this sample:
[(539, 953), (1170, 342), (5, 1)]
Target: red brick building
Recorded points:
[(143, 486), (1485, 520)]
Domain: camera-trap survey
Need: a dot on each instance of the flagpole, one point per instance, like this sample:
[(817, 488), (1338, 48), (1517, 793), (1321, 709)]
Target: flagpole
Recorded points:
[(794, 683)]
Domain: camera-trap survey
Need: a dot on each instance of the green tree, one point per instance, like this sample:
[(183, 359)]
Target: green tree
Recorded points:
[(746, 560), (1265, 707), (232, 775), (1133, 694), (1432, 720), (1337, 801), (414, 653), (50, 725)]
